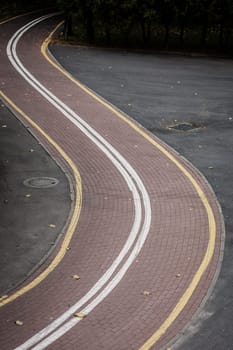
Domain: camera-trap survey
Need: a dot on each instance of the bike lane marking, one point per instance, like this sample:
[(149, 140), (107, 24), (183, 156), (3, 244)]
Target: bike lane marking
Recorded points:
[(211, 218), (141, 226), (212, 226)]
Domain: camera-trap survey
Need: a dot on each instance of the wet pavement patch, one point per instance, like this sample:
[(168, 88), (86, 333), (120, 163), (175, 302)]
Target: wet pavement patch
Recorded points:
[(41, 182), (183, 126)]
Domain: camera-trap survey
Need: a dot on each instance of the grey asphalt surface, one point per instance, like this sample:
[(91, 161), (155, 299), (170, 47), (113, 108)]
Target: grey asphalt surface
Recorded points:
[(27, 212), (160, 91)]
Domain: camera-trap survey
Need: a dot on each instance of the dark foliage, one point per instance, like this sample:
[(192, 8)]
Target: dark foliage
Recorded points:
[(190, 24), (10, 8), (175, 24)]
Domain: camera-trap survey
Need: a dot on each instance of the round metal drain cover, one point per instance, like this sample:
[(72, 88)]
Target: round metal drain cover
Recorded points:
[(41, 182), (183, 127)]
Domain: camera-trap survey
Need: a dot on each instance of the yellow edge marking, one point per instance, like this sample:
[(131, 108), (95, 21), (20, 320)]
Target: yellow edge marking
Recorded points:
[(75, 214), (211, 219), (9, 19), (18, 16)]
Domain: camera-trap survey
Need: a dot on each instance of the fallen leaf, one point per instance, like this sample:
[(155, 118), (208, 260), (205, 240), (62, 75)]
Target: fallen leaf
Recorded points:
[(28, 195), (2, 297), (80, 315), (52, 225), (146, 292), (4, 126), (19, 323), (76, 277), (178, 275)]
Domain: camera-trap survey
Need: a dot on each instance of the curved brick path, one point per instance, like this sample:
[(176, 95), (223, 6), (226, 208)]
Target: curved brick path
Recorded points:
[(178, 236)]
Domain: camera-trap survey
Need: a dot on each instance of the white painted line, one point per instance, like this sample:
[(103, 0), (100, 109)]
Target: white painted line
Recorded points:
[(139, 230)]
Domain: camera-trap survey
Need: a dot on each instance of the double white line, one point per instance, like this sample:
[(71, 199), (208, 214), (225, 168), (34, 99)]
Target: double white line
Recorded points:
[(140, 227)]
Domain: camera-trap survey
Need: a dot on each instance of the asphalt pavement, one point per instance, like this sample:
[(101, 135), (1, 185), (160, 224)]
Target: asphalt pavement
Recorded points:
[(187, 102), (35, 202)]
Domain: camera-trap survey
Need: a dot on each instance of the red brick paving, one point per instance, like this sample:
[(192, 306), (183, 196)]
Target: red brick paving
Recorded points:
[(176, 243)]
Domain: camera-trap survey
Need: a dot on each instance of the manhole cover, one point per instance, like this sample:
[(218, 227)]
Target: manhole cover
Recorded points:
[(41, 182), (183, 127)]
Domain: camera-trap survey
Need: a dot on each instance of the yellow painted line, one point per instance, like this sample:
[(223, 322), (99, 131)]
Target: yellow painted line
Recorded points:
[(9, 19), (197, 277), (12, 18), (211, 219), (18, 16), (75, 214)]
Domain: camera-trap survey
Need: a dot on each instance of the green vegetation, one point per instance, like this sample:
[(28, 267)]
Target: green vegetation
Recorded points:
[(169, 24)]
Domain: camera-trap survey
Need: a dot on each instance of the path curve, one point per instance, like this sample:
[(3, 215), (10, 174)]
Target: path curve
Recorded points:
[(160, 291)]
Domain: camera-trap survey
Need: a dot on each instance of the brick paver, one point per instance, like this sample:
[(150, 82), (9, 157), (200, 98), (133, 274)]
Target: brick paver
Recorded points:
[(178, 236)]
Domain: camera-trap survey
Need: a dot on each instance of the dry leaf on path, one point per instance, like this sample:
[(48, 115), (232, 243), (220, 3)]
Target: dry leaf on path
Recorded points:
[(52, 225), (18, 323), (146, 292), (76, 277), (80, 315)]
